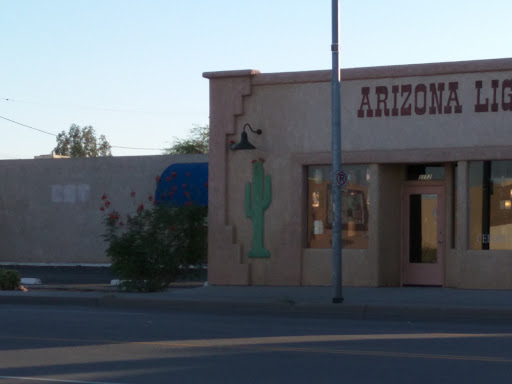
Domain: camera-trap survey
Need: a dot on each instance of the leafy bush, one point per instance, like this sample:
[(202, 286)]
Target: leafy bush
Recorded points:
[(10, 280), (148, 250)]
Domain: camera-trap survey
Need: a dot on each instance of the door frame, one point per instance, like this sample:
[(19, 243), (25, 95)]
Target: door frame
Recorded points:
[(411, 188)]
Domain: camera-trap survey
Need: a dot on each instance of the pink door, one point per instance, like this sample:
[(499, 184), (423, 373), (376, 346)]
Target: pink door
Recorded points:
[(423, 244)]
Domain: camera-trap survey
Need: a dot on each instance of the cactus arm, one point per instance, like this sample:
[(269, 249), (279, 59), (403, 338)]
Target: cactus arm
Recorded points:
[(248, 200), (267, 199)]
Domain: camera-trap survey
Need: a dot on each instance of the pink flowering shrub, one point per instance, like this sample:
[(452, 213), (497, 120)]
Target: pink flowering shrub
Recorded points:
[(148, 246)]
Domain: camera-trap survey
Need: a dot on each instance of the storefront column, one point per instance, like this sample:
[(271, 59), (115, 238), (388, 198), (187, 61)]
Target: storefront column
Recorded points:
[(455, 256), (461, 217), (385, 209)]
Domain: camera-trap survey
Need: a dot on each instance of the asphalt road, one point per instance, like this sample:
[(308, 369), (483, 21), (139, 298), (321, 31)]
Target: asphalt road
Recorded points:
[(86, 345)]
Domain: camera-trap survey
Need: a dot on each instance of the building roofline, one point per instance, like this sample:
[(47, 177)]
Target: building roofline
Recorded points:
[(235, 73), (390, 71)]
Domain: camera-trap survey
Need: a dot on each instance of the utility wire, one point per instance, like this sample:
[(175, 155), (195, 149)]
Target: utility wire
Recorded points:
[(28, 126), (53, 134)]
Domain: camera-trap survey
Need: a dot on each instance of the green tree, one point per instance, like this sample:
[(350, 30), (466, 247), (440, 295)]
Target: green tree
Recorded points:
[(82, 142), (197, 142)]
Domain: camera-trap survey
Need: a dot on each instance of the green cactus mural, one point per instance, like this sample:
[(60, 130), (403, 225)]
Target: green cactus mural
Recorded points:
[(258, 196)]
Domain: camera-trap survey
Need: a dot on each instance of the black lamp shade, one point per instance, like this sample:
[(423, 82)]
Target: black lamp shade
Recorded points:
[(243, 144)]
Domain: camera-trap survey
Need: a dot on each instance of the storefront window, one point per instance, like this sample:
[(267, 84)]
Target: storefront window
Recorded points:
[(355, 207), (490, 204)]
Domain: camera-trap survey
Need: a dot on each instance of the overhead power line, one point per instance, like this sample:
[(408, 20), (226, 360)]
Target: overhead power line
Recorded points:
[(28, 126), (53, 134)]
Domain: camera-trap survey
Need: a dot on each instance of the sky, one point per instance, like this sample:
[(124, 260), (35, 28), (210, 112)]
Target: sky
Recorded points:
[(133, 69)]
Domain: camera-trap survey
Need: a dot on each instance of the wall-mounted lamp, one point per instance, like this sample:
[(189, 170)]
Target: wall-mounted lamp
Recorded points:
[(244, 142)]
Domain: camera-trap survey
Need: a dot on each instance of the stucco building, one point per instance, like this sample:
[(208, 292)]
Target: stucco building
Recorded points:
[(427, 154)]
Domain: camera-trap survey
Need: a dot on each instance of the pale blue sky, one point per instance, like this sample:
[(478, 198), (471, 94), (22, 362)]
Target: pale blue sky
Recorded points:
[(133, 68)]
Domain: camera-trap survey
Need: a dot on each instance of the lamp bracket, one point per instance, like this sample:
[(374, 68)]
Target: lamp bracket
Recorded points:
[(257, 131)]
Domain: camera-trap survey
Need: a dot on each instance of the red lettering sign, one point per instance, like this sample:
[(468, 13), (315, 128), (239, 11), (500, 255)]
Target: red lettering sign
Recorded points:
[(405, 100)]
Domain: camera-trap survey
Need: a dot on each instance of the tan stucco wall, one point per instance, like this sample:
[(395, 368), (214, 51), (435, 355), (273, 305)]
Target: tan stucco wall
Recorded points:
[(49, 208), (358, 267), (225, 264), (485, 270), (293, 110), (452, 130), (283, 218)]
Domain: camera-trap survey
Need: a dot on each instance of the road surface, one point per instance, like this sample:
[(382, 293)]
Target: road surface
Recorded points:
[(42, 344)]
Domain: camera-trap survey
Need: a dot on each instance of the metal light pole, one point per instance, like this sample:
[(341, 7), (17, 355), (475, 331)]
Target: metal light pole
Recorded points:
[(336, 155)]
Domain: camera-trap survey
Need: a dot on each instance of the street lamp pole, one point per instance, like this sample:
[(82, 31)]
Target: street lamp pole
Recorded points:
[(336, 156)]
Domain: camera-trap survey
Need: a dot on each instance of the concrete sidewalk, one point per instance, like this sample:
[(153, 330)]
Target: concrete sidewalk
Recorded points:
[(409, 303)]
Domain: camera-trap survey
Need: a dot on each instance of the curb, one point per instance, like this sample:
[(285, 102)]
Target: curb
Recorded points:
[(404, 312)]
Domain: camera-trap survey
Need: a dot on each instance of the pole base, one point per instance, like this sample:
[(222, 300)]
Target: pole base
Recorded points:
[(337, 300)]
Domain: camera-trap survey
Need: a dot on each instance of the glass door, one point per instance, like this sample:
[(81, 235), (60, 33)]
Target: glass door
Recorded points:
[(423, 235)]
